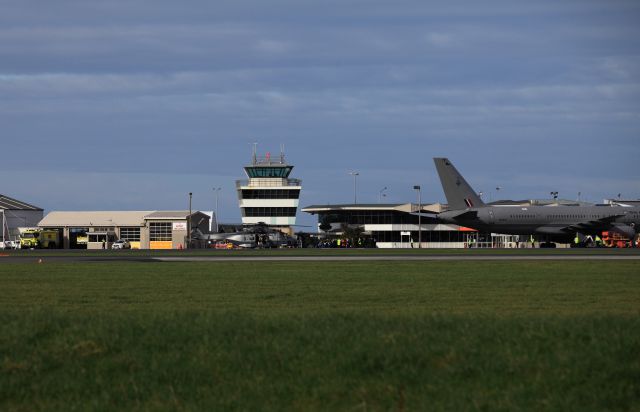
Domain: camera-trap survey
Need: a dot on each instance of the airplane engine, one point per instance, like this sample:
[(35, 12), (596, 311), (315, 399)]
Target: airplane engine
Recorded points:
[(551, 230)]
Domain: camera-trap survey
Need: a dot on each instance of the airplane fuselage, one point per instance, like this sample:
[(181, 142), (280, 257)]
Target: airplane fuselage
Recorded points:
[(554, 222)]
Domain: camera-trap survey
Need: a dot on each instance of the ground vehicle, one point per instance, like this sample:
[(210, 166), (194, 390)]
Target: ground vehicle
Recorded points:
[(121, 244), (39, 238), (614, 239), (223, 244), (81, 239)]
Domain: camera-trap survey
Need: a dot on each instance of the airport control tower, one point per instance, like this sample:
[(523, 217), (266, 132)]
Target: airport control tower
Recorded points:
[(269, 195)]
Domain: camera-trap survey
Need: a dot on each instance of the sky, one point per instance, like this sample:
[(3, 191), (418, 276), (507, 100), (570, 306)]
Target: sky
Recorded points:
[(131, 104)]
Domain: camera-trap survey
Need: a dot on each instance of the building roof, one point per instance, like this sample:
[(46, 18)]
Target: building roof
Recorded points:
[(399, 207), (9, 203), (622, 202), (172, 214), (94, 218), (112, 218)]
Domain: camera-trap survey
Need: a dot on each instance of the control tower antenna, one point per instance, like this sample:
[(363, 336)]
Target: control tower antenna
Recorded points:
[(254, 157), (281, 153)]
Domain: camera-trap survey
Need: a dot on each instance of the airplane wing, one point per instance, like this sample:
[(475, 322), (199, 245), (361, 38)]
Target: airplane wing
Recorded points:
[(429, 215), (466, 215), (593, 224)]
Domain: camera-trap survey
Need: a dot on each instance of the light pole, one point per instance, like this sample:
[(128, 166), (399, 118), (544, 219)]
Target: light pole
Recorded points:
[(216, 190), (189, 222), (3, 228), (381, 195), (419, 215), (355, 186)]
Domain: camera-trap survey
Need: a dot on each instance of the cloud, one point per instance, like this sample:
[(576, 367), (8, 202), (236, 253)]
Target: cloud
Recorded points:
[(439, 39), (273, 46)]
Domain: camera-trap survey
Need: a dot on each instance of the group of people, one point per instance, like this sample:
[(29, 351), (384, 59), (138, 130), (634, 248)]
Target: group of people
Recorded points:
[(345, 243), (588, 241)]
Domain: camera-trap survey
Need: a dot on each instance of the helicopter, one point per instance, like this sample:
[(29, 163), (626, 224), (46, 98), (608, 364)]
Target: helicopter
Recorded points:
[(250, 236)]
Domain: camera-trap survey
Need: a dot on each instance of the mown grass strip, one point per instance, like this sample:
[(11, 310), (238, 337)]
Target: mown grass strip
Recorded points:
[(320, 336), (231, 361), (271, 288)]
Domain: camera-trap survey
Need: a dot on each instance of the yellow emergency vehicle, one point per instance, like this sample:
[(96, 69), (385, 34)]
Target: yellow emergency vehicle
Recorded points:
[(39, 238)]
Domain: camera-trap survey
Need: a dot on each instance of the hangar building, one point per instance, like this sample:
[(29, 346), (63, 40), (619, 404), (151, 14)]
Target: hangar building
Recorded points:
[(15, 214), (143, 229)]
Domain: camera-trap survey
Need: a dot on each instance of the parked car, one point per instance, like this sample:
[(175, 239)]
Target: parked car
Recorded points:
[(9, 244), (121, 244)]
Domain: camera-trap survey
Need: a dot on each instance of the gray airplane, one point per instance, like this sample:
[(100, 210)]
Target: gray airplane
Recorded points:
[(550, 223)]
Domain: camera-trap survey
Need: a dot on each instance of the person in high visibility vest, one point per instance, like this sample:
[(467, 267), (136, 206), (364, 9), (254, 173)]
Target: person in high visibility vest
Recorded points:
[(576, 240), (598, 241)]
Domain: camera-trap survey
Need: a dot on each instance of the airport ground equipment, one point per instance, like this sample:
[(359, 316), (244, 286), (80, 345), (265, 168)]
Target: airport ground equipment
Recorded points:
[(39, 239), (617, 240), (82, 239)]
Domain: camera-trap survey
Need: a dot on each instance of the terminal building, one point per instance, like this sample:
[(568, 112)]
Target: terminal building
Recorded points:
[(269, 195), (400, 226), (393, 225)]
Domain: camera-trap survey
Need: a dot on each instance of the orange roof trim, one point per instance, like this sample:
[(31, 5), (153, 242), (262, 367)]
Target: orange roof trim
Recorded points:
[(466, 229)]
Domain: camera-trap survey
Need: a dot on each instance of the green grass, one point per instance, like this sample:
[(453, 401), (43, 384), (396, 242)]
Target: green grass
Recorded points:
[(320, 336)]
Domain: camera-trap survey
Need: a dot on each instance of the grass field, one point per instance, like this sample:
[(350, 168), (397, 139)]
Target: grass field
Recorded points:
[(320, 336)]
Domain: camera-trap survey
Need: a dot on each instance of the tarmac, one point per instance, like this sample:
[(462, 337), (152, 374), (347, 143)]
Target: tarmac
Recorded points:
[(388, 258), (40, 257)]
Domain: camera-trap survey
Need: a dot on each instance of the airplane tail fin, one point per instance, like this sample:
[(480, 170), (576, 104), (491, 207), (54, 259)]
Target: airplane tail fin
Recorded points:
[(458, 192)]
